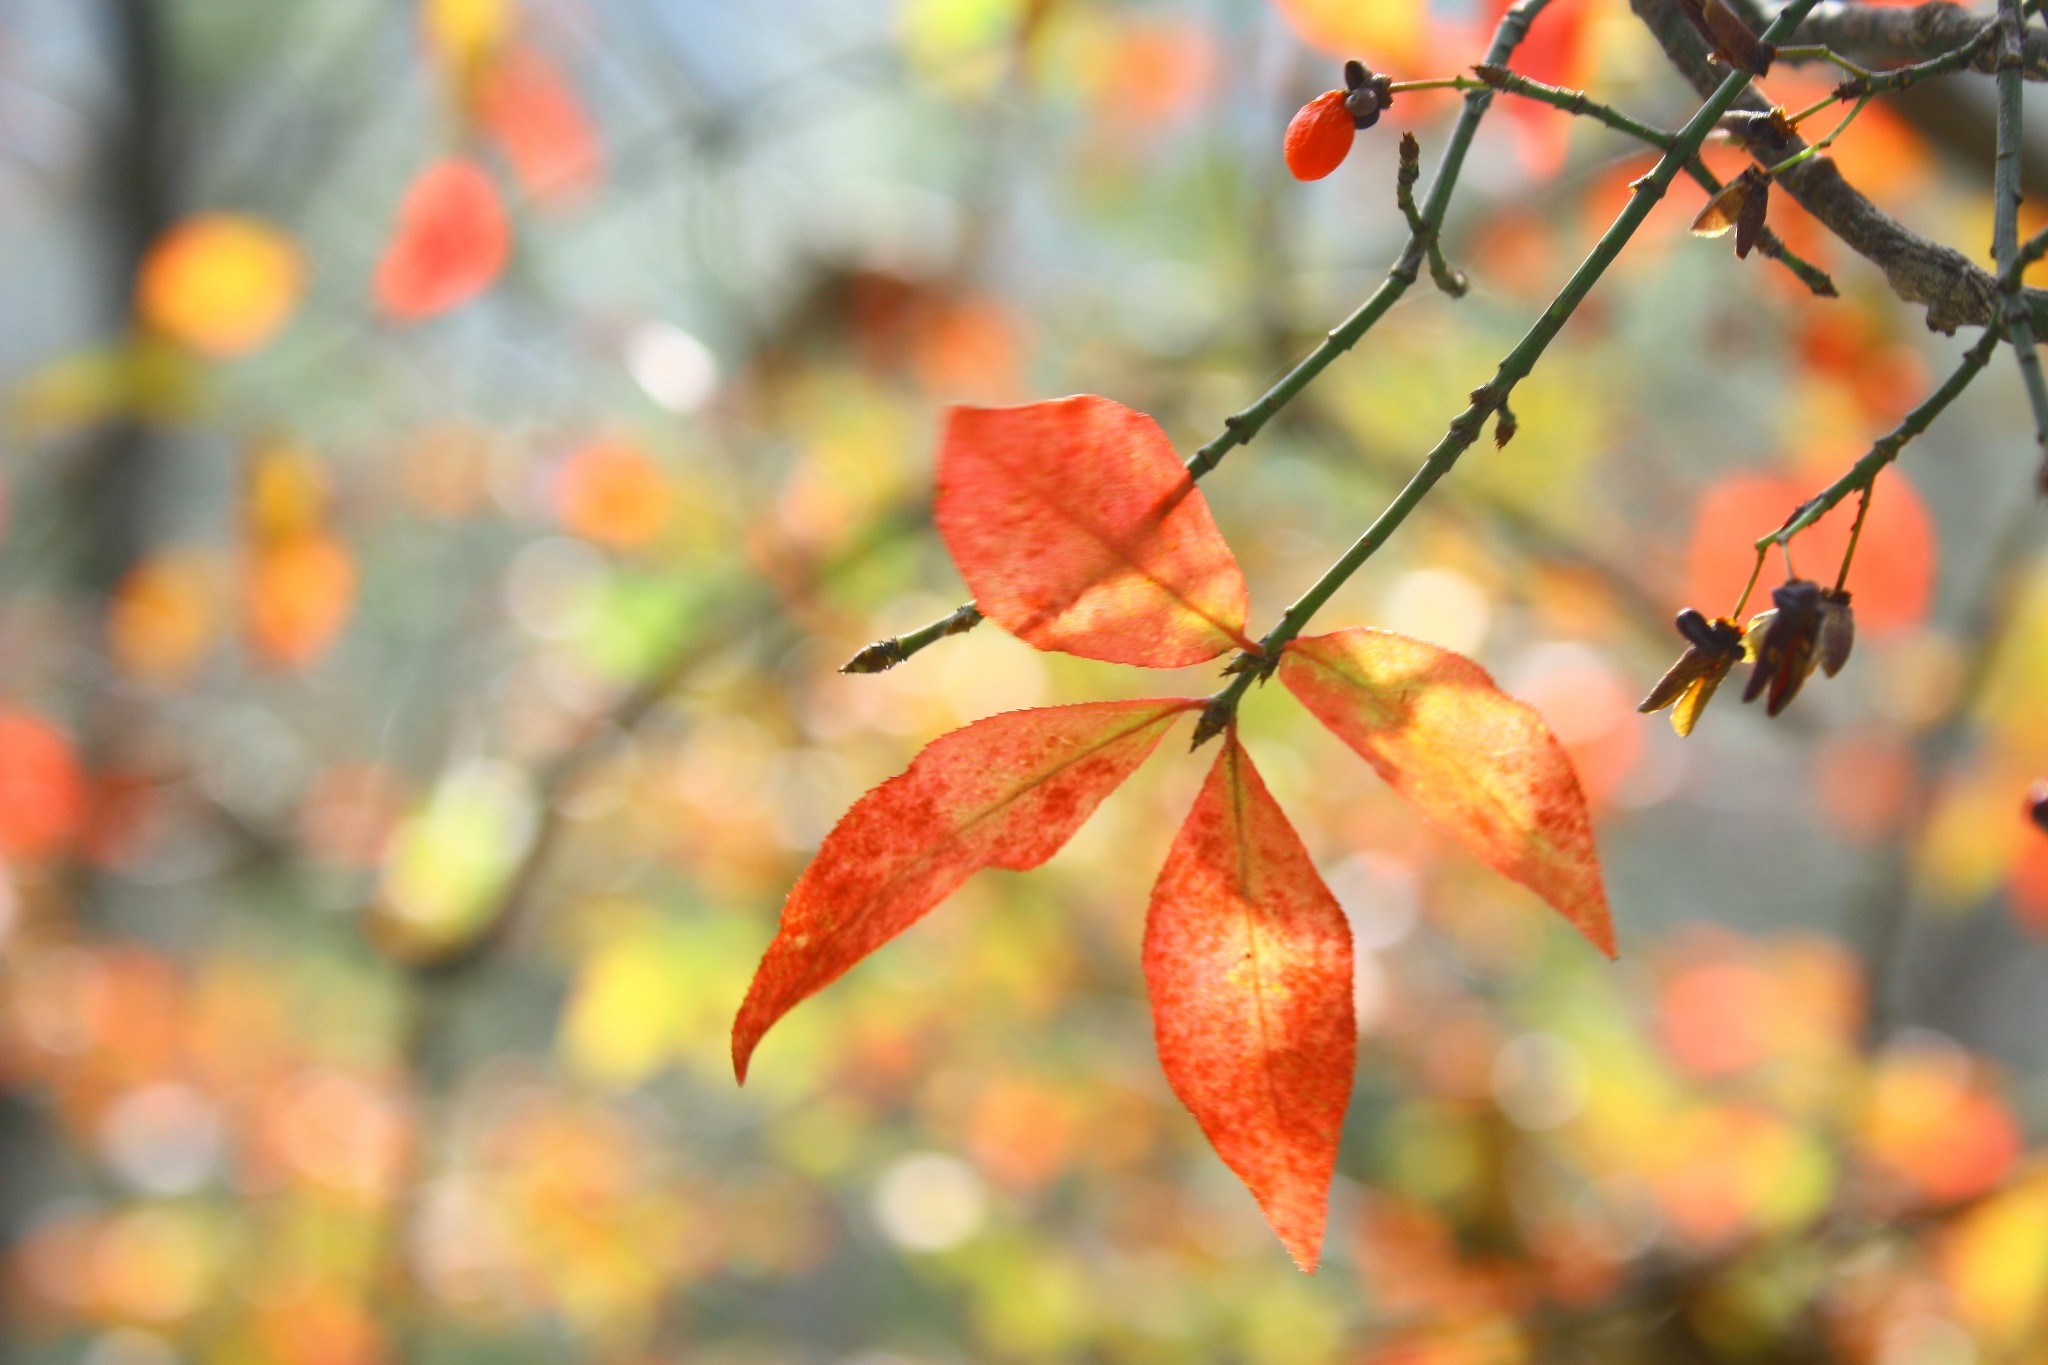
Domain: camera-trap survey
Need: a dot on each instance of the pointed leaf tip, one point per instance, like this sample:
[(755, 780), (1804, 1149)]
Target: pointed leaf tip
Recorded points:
[(1078, 530), (1248, 964), (1007, 792), (1478, 764)]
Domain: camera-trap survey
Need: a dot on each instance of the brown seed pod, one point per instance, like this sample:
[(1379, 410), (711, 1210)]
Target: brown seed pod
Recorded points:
[(1837, 630)]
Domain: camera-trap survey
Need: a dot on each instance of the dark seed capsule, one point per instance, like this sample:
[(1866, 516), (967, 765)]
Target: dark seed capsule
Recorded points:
[(1837, 631), (2037, 804)]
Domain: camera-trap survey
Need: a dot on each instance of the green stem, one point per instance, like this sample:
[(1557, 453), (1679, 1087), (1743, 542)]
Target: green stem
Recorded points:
[(1240, 427), (2034, 248), (1899, 78), (1579, 103), (1818, 52), (1817, 148), (1756, 571), (1464, 429), (2005, 207), (1855, 536), (1887, 447)]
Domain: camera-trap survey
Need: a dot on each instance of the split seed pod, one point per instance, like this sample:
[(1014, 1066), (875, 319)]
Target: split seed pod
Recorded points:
[(1837, 630), (1367, 96), (1739, 205), (1789, 647), (1730, 38), (1713, 647), (1319, 136)]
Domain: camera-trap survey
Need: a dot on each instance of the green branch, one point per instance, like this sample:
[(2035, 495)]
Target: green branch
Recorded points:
[(1241, 426), (1887, 447), (1578, 102), (1488, 397), (1899, 78)]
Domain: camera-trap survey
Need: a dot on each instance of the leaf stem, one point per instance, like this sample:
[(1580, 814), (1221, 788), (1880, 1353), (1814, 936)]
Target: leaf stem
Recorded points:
[(1464, 429), (2005, 208)]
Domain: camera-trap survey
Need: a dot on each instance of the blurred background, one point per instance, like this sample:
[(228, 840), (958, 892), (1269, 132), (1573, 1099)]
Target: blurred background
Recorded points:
[(449, 448)]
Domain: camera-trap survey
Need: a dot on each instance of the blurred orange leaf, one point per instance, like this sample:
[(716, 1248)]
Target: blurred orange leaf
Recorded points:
[(221, 283), (610, 492), (165, 613), (1077, 530), (1475, 762), (300, 591), (1007, 792), (1248, 965), (42, 790), (546, 132), (1892, 579), (451, 242)]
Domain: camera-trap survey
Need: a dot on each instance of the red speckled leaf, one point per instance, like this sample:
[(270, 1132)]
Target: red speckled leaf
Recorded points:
[(1476, 763), (1248, 962), (1077, 530), (1007, 791), (451, 241)]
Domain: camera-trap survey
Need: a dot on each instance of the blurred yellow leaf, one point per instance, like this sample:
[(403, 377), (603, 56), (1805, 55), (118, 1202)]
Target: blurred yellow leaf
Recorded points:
[(286, 492), (220, 283), (1383, 33), (449, 860), (1996, 1263), (463, 35), (138, 381), (962, 47), (620, 1025)]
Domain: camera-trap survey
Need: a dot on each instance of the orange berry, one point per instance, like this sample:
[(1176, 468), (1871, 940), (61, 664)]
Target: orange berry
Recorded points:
[(1319, 138)]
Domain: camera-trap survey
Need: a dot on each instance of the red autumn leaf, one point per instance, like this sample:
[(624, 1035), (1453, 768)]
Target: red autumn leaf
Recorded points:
[(1248, 963), (1077, 530), (452, 240), (1319, 136), (1475, 762), (1007, 791), (546, 133)]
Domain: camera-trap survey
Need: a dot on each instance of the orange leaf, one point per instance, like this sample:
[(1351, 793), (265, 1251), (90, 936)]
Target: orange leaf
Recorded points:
[(1472, 760), (1077, 530), (221, 283), (546, 133), (1007, 792), (1248, 963), (451, 241)]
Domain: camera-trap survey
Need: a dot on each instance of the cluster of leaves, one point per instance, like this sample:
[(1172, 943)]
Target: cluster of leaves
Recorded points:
[(1079, 531)]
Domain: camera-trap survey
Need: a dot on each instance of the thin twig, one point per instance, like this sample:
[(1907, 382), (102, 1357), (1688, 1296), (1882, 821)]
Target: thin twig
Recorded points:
[(1240, 427), (1488, 397), (1580, 103), (1887, 447), (1954, 289)]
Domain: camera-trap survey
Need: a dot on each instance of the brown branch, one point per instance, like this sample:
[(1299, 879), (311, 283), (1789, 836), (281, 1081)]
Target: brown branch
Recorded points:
[(1955, 290), (1911, 35)]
